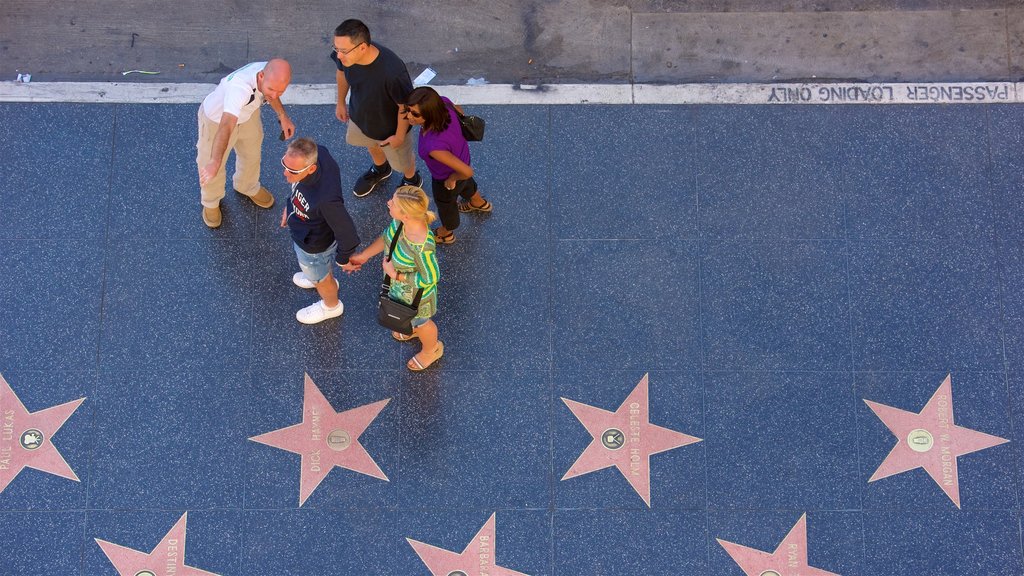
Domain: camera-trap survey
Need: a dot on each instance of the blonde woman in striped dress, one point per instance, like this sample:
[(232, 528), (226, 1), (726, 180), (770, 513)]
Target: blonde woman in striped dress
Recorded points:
[(412, 266)]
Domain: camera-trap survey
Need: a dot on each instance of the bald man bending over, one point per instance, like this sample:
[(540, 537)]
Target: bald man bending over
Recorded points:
[(229, 119)]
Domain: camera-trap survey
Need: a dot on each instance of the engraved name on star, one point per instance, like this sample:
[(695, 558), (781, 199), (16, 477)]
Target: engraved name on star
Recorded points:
[(325, 439), (477, 559), (624, 439), (929, 439), (26, 438), (788, 559), (167, 558)]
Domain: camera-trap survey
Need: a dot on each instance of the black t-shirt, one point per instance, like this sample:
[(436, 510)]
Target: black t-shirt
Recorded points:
[(376, 90)]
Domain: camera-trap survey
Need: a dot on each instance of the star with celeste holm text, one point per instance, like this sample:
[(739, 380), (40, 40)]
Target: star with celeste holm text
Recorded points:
[(929, 439), (624, 439), (167, 558), (26, 438), (477, 559), (325, 439), (789, 558)]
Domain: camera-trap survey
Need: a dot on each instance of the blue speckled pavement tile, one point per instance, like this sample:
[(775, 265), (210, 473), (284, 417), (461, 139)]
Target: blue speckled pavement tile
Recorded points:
[(897, 543), (213, 539), (634, 542), (64, 193), (274, 400), (987, 478), (925, 305), (155, 180), (834, 539), (173, 306), (320, 542), (769, 172), (41, 543), (493, 306), (169, 443), (781, 441), (50, 292), (608, 293), (916, 172), (475, 440), (777, 306), (677, 476), (39, 390), (353, 340), (1011, 253), (1006, 137), (1015, 388), (600, 191), (522, 539)]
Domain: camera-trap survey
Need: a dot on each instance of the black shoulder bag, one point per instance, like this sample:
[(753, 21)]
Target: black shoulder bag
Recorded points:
[(472, 126), (391, 313)]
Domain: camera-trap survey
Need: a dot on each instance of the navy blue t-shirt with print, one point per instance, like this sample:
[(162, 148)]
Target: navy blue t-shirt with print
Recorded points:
[(376, 90)]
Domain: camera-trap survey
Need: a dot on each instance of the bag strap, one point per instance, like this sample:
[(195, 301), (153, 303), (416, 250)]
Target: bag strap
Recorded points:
[(387, 279)]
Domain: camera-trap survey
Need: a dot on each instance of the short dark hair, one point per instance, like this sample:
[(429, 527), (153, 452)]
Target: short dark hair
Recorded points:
[(435, 114), (355, 30)]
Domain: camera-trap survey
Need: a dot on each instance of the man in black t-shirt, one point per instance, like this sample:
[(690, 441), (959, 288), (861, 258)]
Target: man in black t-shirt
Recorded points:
[(378, 82)]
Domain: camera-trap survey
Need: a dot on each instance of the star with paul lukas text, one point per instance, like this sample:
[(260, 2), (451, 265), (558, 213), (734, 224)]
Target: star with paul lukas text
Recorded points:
[(26, 438)]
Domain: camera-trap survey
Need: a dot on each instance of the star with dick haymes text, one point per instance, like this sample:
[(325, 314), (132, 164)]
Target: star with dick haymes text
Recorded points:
[(26, 439), (325, 439), (625, 439), (789, 558), (477, 559), (929, 439), (167, 558)]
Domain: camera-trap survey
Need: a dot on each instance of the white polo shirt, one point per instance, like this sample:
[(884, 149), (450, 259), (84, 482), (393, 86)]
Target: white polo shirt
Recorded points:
[(236, 94)]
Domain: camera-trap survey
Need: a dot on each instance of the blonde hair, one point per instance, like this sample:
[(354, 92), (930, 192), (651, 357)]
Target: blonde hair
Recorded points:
[(413, 202)]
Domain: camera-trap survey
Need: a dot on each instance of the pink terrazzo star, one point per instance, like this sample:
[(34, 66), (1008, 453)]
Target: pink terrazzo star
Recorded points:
[(624, 439), (326, 439), (478, 558), (25, 439), (789, 559), (930, 440), (167, 558)]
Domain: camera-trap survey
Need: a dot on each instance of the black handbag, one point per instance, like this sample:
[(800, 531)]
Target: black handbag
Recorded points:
[(472, 126), (391, 313)]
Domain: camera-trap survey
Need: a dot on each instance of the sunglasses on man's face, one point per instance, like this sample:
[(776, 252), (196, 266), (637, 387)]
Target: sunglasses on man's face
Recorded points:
[(410, 112), (291, 171)]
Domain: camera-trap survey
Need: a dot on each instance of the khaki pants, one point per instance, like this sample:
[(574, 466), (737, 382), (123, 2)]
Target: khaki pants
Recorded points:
[(400, 159), (247, 142)]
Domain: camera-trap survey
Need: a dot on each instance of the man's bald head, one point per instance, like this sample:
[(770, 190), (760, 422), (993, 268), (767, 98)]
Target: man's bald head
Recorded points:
[(275, 77)]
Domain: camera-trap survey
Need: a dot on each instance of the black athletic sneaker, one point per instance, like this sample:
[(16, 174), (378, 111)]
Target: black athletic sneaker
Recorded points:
[(416, 180), (370, 179)]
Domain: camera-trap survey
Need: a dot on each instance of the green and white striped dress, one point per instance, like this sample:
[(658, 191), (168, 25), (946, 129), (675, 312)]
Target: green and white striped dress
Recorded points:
[(418, 263)]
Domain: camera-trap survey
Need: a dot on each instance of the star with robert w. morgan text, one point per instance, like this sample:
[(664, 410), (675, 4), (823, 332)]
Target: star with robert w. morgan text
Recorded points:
[(167, 558), (624, 439), (477, 559), (929, 439), (789, 558), (326, 439), (26, 439)]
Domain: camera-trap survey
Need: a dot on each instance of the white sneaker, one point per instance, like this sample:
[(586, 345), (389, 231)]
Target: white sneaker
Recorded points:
[(318, 312), (300, 280)]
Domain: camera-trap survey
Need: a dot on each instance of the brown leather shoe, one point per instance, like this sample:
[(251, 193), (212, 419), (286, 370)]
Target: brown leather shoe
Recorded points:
[(211, 216), (263, 198)]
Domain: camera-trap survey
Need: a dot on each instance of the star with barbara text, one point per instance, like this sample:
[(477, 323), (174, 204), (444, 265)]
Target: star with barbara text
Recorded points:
[(167, 558), (325, 439), (477, 559), (789, 558), (929, 439), (624, 439), (26, 439)]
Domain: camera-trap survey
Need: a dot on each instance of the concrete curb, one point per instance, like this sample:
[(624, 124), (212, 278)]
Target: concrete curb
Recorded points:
[(548, 94)]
